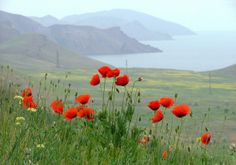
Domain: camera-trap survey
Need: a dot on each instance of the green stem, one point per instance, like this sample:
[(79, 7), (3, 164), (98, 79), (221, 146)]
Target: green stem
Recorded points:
[(123, 100), (178, 137), (162, 120), (113, 94), (103, 93)]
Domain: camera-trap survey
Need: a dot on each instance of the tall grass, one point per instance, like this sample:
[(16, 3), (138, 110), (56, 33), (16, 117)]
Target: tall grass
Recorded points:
[(115, 136)]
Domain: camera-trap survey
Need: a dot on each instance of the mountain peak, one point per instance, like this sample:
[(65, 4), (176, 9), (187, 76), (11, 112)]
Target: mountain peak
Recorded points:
[(122, 17)]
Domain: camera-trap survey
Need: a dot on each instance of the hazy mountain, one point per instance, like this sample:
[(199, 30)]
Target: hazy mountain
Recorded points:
[(20, 23), (47, 20), (6, 32), (138, 31), (35, 50), (94, 19), (85, 40), (91, 40), (120, 17)]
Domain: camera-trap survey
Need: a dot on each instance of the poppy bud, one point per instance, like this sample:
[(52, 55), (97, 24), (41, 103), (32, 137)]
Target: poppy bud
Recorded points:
[(140, 79)]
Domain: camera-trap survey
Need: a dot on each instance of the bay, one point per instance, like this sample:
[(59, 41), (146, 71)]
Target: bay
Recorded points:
[(201, 52)]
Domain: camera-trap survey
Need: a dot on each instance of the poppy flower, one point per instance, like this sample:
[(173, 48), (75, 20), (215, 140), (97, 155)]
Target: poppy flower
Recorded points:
[(28, 102), (104, 70), (154, 105), (70, 113), (80, 107), (57, 106), (122, 80), (86, 112), (164, 154), (95, 80), (157, 117), (206, 138), (140, 79), (26, 92), (181, 110), (166, 102), (82, 99), (113, 73)]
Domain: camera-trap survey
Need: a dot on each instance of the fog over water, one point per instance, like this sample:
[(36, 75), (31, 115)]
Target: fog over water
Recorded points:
[(201, 52)]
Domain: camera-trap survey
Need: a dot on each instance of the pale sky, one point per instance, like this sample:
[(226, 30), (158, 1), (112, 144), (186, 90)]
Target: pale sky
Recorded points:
[(195, 14)]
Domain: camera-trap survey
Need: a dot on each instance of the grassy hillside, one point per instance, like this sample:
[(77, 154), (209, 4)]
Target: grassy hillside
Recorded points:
[(193, 88), (46, 138), (113, 137), (228, 71), (36, 51)]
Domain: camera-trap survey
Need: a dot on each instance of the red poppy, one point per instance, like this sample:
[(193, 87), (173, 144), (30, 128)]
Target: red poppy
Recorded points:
[(95, 80), (28, 102), (86, 112), (164, 154), (181, 110), (82, 99), (157, 117), (57, 106), (122, 80), (81, 111), (26, 92), (113, 73), (154, 105), (104, 70), (206, 138), (80, 107), (70, 113), (166, 102)]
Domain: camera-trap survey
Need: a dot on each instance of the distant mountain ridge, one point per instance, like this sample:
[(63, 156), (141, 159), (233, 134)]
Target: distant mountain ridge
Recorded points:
[(12, 25), (47, 20), (121, 17), (136, 30), (80, 39), (135, 24), (20, 23), (83, 39)]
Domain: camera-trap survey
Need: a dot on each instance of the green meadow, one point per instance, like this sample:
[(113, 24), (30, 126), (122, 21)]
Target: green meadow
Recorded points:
[(46, 138)]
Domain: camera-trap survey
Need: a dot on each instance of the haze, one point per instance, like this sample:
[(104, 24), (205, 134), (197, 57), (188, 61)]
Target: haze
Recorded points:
[(197, 15)]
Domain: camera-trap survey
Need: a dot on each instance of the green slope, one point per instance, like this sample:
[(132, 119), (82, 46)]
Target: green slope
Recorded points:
[(228, 71), (36, 51)]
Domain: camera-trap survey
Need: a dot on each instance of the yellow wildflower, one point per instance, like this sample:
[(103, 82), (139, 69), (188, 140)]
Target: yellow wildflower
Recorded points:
[(18, 97), (19, 119), (198, 139), (40, 146), (32, 109)]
